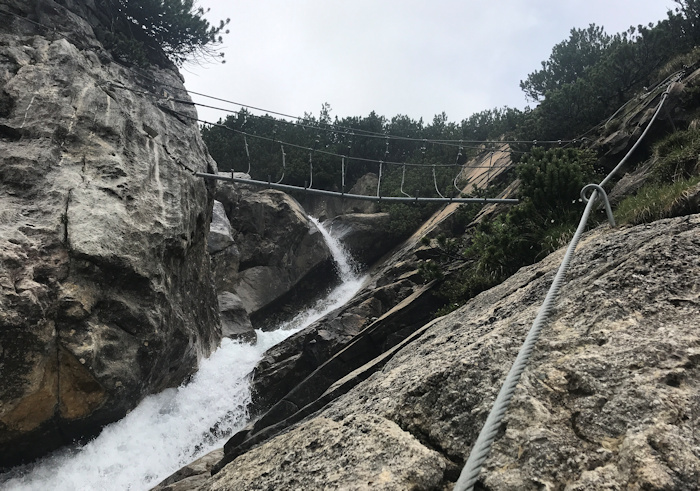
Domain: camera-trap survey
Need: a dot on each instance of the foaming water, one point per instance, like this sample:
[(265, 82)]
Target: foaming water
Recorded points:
[(165, 431), (171, 429)]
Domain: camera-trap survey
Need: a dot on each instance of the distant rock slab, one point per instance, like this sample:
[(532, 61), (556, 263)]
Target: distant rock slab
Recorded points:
[(328, 207)]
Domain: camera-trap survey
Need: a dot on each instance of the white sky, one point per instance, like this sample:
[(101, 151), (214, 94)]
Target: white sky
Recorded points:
[(416, 58)]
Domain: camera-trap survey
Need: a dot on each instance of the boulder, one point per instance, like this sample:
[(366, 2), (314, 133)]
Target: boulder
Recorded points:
[(105, 290), (235, 323), (366, 186), (224, 268), (219, 230), (367, 237), (283, 259)]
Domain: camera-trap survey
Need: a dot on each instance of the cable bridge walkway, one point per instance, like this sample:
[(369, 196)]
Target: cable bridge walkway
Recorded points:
[(360, 197)]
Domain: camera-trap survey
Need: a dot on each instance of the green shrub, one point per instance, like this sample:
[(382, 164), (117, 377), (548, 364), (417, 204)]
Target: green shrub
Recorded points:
[(147, 29), (123, 47), (541, 223), (552, 179), (404, 219)]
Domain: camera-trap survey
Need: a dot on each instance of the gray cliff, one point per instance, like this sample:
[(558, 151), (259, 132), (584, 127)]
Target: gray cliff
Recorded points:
[(106, 293)]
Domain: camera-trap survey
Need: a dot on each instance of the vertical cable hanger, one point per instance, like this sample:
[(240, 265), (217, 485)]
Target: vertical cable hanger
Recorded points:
[(435, 183), (244, 119), (460, 169), (284, 164), (311, 163), (274, 140), (434, 176), (247, 152), (403, 178), (488, 170), (342, 175), (343, 165), (311, 173), (381, 164)]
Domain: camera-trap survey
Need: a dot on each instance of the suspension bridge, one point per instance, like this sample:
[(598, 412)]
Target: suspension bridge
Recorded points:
[(360, 197), (477, 173)]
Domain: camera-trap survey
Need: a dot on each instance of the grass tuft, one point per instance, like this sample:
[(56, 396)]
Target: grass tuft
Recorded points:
[(655, 201)]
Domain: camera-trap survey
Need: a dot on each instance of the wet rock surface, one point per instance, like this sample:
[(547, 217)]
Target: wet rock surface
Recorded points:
[(191, 476), (235, 323), (105, 290), (367, 237), (280, 259)]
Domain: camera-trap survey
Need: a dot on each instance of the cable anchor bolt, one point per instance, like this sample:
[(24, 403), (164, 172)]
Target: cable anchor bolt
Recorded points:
[(606, 201)]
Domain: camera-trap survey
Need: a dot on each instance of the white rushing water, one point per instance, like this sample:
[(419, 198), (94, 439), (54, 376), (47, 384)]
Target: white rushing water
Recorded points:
[(171, 429)]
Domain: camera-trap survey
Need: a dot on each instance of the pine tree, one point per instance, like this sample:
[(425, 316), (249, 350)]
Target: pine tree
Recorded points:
[(172, 27)]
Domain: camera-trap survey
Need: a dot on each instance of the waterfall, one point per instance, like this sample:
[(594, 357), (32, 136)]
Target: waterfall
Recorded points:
[(169, 430), (346, 266)]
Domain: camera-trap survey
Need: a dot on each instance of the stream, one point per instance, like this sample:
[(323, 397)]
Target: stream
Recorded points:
[(173, 428)]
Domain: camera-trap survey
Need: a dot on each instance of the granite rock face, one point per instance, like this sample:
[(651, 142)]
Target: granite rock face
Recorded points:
[(609, 399), (318, 455), (105, 289), (219, 230), (281, 258), (235, 323)]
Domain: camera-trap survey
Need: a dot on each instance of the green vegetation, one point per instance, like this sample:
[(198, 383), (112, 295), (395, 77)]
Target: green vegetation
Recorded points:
[(592, 72), (678, 156), (655, 201), (546, 217), (676, 169), (143, 31)]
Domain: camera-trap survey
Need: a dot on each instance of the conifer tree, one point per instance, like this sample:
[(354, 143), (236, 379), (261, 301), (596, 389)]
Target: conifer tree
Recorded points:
[(177, 28)]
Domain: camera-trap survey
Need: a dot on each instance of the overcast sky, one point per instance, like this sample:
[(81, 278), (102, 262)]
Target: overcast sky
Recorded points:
[(410, 57)]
